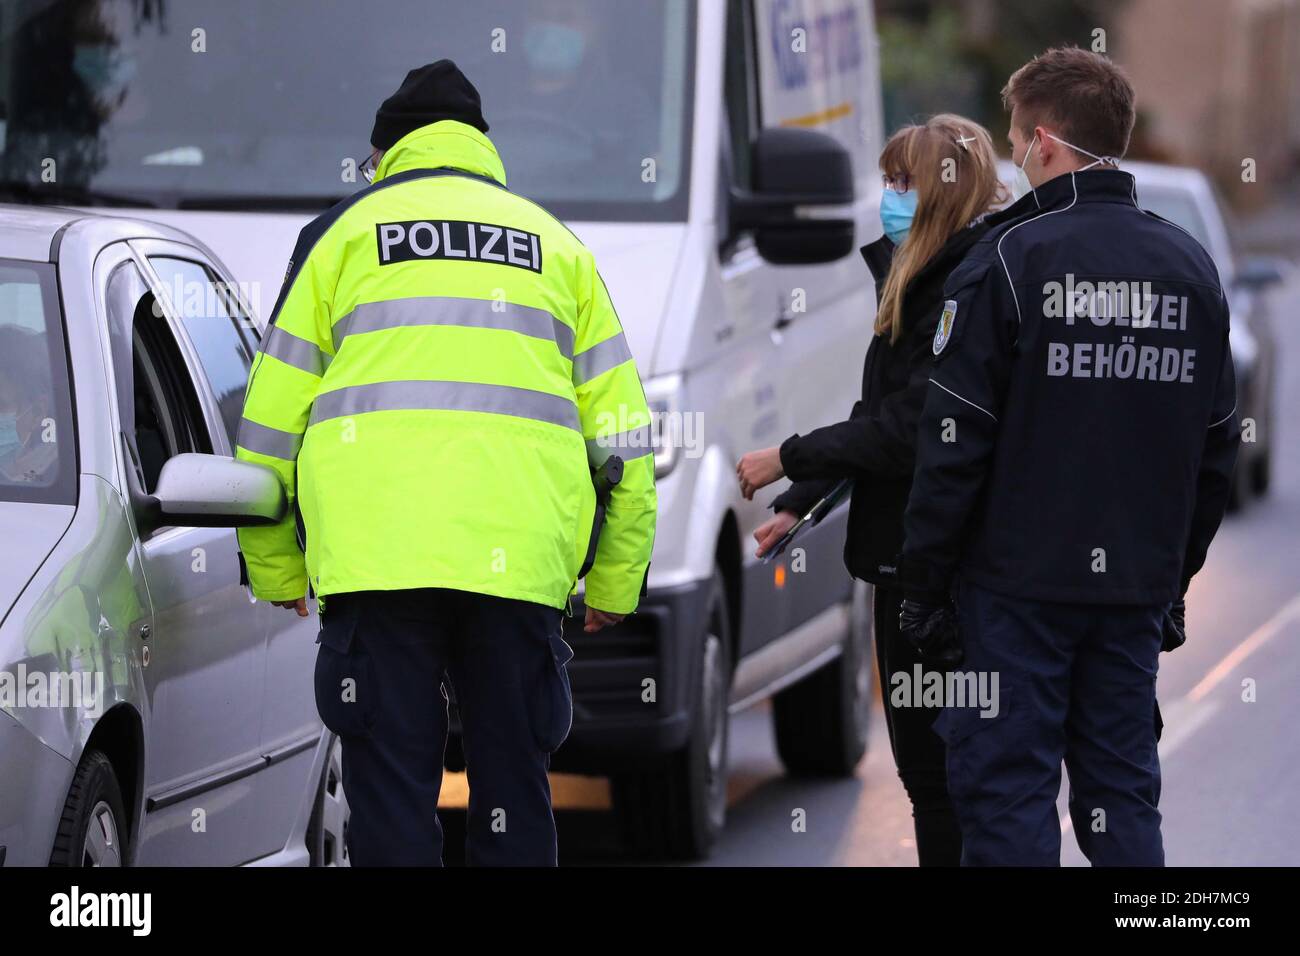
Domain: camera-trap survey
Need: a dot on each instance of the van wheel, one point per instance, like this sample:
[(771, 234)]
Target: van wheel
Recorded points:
[(821, 722), (327, 831), (92, 830), (677, 811)]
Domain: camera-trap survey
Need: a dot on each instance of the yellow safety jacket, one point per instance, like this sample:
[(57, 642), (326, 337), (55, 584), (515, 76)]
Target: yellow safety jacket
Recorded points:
[(441, 371)]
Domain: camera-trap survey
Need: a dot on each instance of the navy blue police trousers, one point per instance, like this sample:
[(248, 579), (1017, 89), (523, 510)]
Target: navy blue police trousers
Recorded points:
[(1075, 683), (383, 658)]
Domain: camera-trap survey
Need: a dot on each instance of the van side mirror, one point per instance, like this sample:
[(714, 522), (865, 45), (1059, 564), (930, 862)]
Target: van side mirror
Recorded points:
[(798, 175), (212, 491)]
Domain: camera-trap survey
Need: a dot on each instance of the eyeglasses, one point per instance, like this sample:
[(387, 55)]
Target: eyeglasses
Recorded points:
[(900, 184), (370, 165)]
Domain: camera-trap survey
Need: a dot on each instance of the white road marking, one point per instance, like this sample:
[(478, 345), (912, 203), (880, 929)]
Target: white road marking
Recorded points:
[(1182, 719), (1188, 714), (1258, 638)]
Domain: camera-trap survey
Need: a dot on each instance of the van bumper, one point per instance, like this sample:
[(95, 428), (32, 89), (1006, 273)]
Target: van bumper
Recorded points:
[(632, 682)]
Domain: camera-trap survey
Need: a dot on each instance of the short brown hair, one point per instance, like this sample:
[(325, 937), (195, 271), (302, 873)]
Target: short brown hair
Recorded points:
[(1083, 95)]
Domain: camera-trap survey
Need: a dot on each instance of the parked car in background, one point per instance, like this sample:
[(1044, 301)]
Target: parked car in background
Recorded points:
[(1187, 198), (151, 712)]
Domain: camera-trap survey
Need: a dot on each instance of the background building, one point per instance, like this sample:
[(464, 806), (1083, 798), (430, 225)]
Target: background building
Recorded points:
[(1218, 80)]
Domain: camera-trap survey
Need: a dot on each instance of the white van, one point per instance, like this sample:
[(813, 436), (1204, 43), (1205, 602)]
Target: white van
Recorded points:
[(717, 156)]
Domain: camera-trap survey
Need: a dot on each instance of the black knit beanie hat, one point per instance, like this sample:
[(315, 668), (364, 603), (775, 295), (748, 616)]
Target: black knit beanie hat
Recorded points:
[(438, 91)]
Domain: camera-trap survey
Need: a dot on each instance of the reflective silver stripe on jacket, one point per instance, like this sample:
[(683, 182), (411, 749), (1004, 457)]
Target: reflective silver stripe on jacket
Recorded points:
[(628, 445), (268, 441), (446, 396), (295, 351), (600, 358), (465, 313)]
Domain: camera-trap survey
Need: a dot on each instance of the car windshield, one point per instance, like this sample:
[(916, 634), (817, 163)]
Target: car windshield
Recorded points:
[(37, 441), (195, 104)]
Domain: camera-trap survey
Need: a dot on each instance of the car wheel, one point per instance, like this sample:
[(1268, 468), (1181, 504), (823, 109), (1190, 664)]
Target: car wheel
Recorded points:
[(327, 831), (1238, 488), (93, 828), (677, 811), (1261, 471), (821, 722)]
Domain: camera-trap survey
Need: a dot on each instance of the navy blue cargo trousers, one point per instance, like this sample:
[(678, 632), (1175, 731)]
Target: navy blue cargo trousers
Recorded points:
[(1075, 683), (383, 658)]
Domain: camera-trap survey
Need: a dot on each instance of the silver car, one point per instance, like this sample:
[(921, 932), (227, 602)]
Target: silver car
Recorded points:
[(1188, 198), (151, 712)]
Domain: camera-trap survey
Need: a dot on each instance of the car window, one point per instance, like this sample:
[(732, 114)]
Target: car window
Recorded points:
[(742, 99), (220, 337), (37, 438), (1178, 207), (159, 406), (823, 82)]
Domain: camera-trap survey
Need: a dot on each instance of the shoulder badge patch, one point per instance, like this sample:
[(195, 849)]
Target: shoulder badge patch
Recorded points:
[(944, 332)]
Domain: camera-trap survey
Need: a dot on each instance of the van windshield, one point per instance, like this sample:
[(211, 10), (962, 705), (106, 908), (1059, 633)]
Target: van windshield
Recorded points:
[(37, 440), (246, 104)]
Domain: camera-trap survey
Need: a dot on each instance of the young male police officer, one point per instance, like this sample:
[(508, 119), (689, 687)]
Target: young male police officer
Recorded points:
[(1073, 465), (441, 371)]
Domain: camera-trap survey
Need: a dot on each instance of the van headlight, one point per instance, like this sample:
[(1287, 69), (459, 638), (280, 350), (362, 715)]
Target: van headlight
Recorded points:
[(663, 396)]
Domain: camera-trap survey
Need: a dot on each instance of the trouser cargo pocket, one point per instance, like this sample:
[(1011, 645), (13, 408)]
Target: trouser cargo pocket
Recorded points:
[(552, 698), (986, 757), (345, 682)]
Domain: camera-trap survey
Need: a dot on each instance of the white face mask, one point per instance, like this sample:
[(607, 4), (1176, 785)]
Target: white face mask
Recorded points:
[(1021, 187)]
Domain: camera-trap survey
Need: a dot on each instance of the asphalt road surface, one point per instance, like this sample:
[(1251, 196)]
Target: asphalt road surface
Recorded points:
[(1230, 698)]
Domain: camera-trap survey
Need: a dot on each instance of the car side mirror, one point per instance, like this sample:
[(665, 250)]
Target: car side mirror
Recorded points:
[(798, 175), (212, 491), (1260, 272)]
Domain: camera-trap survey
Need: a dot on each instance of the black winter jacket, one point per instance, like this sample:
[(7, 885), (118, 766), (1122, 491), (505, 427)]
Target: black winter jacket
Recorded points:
[(1088, 377), (876, 445)]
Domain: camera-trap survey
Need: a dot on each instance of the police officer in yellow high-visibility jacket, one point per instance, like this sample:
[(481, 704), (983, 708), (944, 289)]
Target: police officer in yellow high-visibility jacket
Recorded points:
[(442, 371)]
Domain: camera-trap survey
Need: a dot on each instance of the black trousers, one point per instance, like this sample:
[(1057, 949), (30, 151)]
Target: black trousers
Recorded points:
[(919, 754), (383, 659)]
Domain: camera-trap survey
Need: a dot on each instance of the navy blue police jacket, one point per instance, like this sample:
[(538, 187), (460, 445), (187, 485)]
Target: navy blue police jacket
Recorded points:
[(1080, 429)]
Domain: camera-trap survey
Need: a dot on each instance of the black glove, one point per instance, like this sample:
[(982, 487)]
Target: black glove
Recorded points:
[(1175, 626), (932, 630)]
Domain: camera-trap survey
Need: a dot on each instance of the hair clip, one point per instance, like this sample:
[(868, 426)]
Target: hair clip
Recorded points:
[(963, 140)]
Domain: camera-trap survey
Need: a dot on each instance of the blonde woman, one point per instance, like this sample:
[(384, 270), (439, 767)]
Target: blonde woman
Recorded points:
[(940, 181)]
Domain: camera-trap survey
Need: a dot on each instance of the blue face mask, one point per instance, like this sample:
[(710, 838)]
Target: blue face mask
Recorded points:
[(554, 48), (103, 69), (897, 210)]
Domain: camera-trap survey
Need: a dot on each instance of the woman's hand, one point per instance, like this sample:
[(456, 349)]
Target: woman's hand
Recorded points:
[(773, 530), (758, 469)]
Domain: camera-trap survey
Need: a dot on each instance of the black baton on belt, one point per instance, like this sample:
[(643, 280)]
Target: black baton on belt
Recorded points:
[(604, 478)]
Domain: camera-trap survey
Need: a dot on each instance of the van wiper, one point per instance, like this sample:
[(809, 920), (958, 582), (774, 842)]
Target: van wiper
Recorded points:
[(259, 202), (59, 194)]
